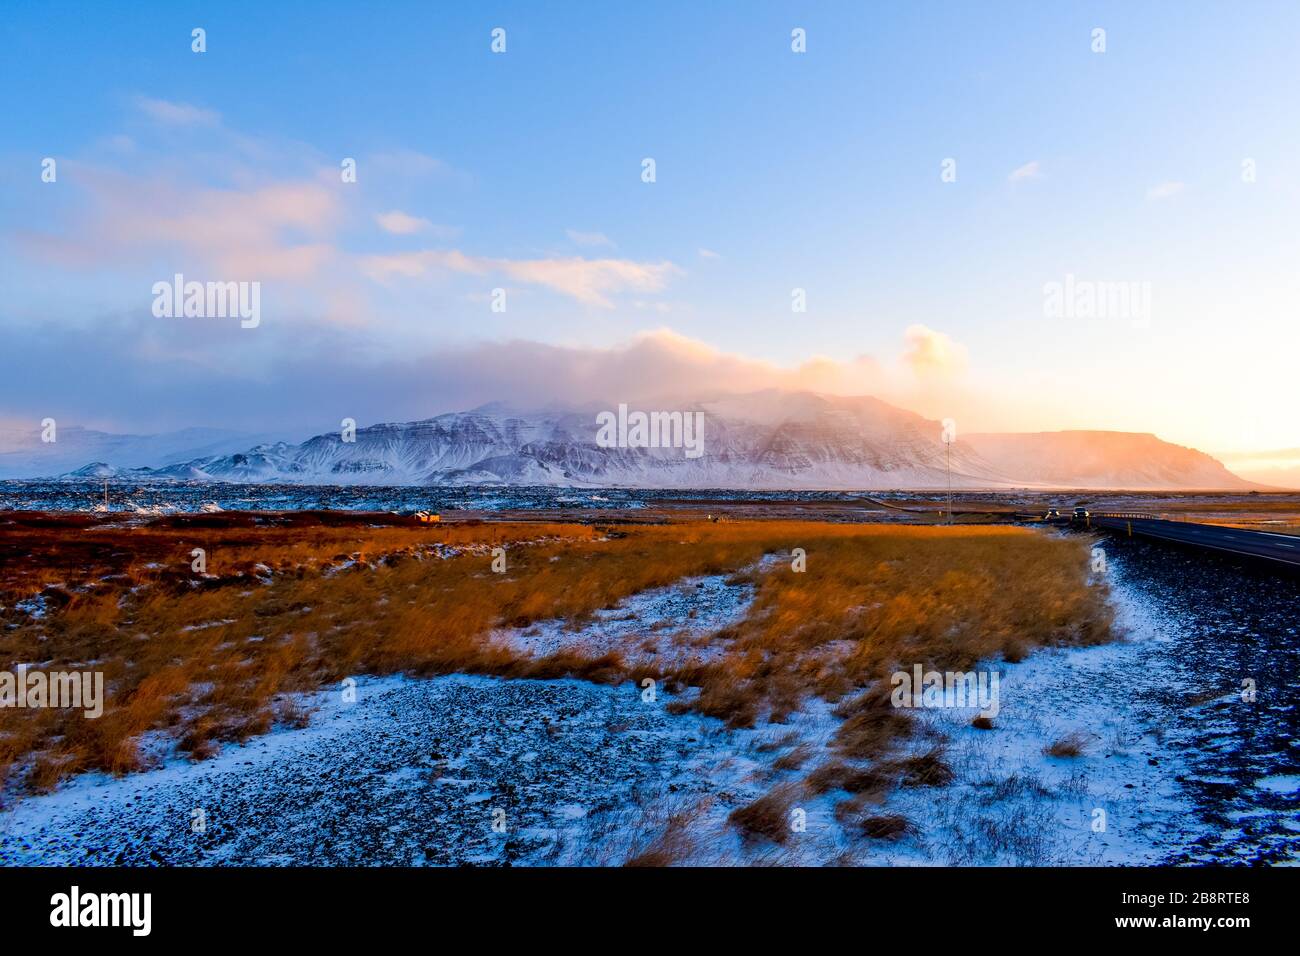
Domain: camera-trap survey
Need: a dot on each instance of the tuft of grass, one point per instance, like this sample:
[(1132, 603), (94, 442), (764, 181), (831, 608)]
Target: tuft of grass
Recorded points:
[(793, 759), (925, 770), (890, 826), (1071, 745), (768, 817), (655, 856), (872, 781)]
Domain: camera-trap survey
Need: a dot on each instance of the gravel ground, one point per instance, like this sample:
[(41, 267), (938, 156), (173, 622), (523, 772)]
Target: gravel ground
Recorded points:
[(414, 772), (1224, 621)]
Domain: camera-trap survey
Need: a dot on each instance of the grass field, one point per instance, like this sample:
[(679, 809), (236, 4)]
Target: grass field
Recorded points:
[(298, 603)]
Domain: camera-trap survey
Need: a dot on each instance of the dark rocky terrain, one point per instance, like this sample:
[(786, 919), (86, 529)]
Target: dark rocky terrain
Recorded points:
[(1226, 620)]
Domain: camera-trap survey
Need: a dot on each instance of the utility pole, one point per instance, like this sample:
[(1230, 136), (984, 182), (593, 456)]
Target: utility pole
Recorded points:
[(105, 494)]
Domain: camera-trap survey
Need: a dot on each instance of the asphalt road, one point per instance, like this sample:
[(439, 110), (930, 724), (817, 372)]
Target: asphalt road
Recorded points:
[(1282, 548)]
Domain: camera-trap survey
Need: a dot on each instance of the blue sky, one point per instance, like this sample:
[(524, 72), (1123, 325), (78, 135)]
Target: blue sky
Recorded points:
[(775, 171)]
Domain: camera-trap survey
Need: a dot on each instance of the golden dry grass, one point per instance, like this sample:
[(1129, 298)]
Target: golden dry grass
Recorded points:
[(297, 604), (880, 598), (1071, 745)]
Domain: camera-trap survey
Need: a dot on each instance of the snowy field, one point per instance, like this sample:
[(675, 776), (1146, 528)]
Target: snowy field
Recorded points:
[(463, 769)]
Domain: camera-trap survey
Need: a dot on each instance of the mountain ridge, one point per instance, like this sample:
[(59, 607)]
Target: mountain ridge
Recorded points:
[(767, 440)]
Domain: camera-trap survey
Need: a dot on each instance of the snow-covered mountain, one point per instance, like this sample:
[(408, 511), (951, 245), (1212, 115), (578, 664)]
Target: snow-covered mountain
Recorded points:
[(764, 440), (23, 453), (1097, 459)]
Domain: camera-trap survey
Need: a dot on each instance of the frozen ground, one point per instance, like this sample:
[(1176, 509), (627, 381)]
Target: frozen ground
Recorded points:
[(669, 624), (1120, 801), (417, 771), (1186, 769), (1223, 686), (413, 772)]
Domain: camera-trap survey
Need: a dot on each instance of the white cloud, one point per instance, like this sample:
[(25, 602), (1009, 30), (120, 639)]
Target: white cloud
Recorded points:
[(1164, 190), (591, 281), (932, 354), (176, 114), (400, 223), (708, 254), (280, 230), (655, 363), (1027, 171)]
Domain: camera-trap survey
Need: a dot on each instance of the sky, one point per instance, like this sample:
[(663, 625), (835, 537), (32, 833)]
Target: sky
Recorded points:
[(924, 174)]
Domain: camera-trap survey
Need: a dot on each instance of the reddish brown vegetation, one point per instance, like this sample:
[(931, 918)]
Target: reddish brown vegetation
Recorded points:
[(294, 603)]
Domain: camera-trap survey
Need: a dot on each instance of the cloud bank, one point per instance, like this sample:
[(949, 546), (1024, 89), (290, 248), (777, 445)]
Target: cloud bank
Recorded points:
[(175, 382)]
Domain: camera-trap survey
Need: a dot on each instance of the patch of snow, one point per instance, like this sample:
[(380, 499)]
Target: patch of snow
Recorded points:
[(668, 625), (207, 624), (34, 606), (1120, 802), (1280, 783), (417, 771)]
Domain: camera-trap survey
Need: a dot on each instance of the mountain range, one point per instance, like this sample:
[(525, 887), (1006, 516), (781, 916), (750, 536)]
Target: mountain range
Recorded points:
[(24, 453), (762, 440)]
